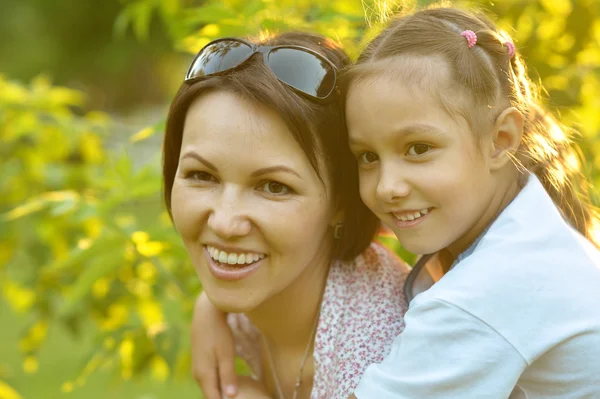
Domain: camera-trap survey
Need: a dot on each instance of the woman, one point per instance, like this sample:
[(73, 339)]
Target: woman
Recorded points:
[(263, 191)]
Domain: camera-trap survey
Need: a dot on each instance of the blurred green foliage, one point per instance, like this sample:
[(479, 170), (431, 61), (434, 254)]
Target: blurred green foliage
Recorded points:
[(84, 237)]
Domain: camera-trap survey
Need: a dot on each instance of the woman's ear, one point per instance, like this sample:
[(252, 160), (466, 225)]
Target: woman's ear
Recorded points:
[(507, 135), (338, 217)]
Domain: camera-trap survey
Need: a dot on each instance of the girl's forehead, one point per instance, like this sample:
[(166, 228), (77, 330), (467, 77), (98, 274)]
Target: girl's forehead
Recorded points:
[(423, 72), (427, 78)]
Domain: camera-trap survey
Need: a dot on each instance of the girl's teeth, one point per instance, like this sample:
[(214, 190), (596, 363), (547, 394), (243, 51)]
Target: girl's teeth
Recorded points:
[(241, 259), (232, 259), (223, 257), (414, 216), (249, 258)]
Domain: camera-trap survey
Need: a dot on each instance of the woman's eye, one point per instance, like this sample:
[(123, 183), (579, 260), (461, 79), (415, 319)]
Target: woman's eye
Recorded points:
[(201, 176), (418, 149), (368, 157), (275, 188)]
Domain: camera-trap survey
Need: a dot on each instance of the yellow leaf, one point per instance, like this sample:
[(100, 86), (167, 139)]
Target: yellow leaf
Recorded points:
[(39, 331), (210, 30), (146, 271), (100, 288), (150, 248), (558, 7), (20, 298), (150, 312), (193, 44), (93, 227), (550, 28), (556, 82), (97, 117), (140, 237), (109, 343), (160, 368), (41, 83), (117, 316), (142, 134), (6, 392), (91, 148), (64, 96), (589, 57), (30, 365), (67, 387)]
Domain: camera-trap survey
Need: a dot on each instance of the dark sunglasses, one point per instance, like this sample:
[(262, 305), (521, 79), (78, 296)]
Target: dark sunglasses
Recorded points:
[(300, 68)]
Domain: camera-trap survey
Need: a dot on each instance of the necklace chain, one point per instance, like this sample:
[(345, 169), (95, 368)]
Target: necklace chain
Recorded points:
[(304, 359)]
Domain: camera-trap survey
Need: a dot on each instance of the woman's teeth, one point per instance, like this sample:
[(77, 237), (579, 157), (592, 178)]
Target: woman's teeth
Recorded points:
[(233, 258), (406, 217)]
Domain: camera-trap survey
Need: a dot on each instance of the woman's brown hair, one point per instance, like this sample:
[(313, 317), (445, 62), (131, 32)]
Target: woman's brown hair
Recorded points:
[(489, 74), (319, 129)]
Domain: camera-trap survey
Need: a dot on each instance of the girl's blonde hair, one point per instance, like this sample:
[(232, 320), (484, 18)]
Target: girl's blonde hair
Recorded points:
[(490, 73)]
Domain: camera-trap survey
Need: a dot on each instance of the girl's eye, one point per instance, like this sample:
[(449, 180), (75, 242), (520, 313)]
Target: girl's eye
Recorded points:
[(275, 188), (201, 176), (418, 149), (368, 157)]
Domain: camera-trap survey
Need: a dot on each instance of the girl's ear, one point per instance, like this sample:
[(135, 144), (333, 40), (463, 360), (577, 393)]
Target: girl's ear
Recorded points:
[(507, 135)]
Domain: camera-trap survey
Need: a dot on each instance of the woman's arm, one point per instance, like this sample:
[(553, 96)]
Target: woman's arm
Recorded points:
[(213, 351), (251, 389)]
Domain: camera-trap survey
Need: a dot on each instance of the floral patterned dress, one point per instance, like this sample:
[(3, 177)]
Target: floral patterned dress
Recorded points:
[(361, 314)]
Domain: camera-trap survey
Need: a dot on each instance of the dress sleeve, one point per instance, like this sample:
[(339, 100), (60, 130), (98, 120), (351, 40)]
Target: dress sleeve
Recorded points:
[(444, 352)]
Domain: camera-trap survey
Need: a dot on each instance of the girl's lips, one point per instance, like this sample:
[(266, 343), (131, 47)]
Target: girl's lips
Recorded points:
[(231, 272), (405, 224)]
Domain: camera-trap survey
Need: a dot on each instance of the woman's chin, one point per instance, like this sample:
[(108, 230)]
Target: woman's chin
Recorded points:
[(232, 302)]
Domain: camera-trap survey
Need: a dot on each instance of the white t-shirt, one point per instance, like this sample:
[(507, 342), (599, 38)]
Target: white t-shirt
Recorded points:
[(517, 317)]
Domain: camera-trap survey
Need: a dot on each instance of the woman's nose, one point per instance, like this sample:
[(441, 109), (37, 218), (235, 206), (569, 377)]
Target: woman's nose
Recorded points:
[(228, 220)]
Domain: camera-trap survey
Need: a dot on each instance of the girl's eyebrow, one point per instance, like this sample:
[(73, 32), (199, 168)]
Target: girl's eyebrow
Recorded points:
[(419, 128), (407, 131)]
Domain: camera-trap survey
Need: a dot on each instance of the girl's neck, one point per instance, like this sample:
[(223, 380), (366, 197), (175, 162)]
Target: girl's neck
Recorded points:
[(286, 320), (504, 196)]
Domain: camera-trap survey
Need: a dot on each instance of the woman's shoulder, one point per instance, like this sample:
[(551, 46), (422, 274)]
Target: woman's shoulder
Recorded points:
[(368, 292), (362, 313), (376, 267)]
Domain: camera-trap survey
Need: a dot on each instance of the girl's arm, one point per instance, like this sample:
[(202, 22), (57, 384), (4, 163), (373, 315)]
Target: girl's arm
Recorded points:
[(444, 352), (213, 351)]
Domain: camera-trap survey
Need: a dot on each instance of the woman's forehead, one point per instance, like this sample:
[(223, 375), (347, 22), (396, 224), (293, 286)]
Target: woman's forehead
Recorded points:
[(236, 130)]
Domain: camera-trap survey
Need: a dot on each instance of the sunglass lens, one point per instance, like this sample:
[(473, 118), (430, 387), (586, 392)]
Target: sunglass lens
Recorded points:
[(218, 57), (303, 71)]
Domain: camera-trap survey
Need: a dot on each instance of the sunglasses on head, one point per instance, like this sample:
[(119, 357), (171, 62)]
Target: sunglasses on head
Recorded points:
[(300, 68)]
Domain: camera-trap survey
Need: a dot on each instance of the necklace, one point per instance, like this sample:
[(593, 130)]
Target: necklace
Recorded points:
[(304, 359)]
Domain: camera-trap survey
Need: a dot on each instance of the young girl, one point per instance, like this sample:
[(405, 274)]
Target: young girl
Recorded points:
[(457, 158)]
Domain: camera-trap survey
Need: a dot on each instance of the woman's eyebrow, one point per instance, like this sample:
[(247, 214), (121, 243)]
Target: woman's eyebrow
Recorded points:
[(272, 169), (196, 156)]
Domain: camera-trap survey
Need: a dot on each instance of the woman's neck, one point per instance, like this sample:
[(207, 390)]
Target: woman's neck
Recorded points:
[(286, 320)]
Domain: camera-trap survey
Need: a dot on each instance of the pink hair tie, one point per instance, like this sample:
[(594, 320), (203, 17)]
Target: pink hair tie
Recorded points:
[(511, 49), (471, 37)]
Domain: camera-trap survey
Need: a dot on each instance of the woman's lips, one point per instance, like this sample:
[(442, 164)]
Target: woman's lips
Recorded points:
[(227, 272)]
